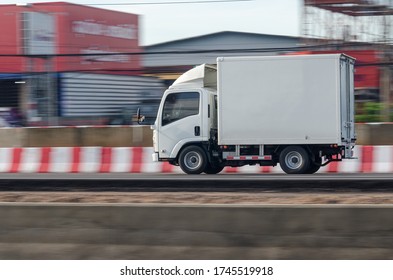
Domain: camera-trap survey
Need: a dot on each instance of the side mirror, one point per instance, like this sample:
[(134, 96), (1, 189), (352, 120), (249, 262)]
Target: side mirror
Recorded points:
[(140, 118)]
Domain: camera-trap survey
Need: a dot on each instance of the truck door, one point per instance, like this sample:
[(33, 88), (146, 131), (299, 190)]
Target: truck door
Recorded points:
[(347, 103), (180, 122)]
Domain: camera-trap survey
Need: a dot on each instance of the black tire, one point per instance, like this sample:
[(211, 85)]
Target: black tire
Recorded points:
[(193, 160), (294, 160), (213, 169), (314, 166)]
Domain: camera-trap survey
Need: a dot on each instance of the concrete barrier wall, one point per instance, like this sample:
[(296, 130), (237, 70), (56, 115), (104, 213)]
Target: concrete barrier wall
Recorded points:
[(374, 134), (137, 136), (106, 136), (66, 231)]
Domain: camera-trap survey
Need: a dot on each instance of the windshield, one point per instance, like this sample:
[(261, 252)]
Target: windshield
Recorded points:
[(180, 105)]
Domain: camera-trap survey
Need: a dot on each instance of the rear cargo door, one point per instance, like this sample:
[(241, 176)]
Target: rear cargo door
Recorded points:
[(347, 100)]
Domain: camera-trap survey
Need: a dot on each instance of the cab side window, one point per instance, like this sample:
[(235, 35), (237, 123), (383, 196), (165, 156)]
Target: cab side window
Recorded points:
[(180, 105)]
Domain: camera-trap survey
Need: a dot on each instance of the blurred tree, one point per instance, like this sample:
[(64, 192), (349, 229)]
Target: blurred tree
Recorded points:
[(371, 112)]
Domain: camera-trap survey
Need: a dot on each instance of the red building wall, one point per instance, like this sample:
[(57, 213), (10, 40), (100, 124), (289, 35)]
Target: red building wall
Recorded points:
[(10, 39), (79, 30)]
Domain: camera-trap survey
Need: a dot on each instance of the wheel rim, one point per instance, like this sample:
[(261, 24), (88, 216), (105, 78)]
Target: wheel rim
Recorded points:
[(192, 160), (294, 160)]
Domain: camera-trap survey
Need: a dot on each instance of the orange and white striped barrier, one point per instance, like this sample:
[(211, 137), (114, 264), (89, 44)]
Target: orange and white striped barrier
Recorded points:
[(370, 159)]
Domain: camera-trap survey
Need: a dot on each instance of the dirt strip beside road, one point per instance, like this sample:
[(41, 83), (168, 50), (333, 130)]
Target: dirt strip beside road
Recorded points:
[(199, 198)]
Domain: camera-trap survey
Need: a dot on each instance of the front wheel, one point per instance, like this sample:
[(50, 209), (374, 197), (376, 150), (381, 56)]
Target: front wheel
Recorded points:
[(294, 160), (193, 160)]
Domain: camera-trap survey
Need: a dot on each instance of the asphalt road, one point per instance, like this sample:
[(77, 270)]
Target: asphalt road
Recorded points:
[(180, 182)]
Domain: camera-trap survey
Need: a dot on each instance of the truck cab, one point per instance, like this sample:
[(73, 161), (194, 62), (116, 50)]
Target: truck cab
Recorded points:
[(186, 117)]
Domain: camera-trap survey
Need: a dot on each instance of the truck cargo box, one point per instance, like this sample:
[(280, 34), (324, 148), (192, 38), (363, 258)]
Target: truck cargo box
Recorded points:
[(286, 100)]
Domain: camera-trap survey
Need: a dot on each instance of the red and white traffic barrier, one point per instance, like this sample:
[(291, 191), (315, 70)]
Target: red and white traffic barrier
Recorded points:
[(80, 160), (371, 159)]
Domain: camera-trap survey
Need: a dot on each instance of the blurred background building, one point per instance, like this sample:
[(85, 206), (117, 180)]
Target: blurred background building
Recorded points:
[(68, 64), (71, 64)]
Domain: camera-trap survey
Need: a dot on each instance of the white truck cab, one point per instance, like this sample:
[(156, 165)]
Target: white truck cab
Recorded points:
[(187, 113)]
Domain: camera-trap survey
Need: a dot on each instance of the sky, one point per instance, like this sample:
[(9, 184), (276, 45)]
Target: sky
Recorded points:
[(162, 21)]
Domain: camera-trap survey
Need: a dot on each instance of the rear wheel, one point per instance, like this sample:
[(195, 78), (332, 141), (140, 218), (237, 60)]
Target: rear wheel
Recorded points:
[(193, 160), (294, 160)]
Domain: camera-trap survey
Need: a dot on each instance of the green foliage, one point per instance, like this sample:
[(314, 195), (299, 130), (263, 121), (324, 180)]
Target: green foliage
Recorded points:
[(370, 112)]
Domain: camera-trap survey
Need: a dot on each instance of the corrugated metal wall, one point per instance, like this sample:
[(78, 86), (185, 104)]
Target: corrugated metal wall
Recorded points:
[(87, 95)]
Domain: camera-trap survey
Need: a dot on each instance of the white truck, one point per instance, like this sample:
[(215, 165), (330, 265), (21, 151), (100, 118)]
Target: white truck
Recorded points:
[(295, 110)]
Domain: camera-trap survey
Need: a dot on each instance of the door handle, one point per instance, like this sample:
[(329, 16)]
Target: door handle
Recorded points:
[(197, 130)]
